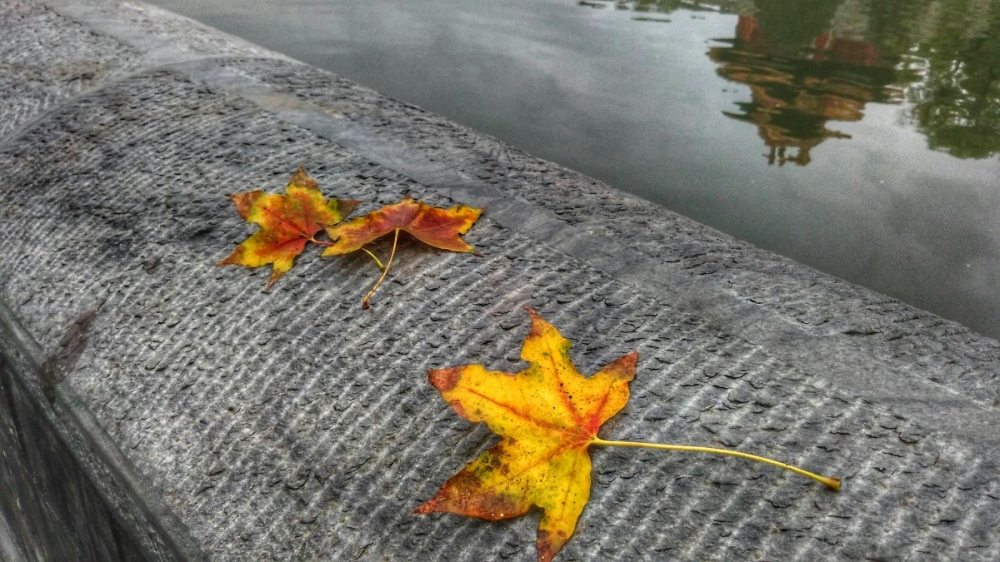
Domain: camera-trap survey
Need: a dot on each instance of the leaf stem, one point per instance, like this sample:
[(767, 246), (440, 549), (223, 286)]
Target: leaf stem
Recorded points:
[(324, 243), (395, 240), (830, 482), (378, 262)]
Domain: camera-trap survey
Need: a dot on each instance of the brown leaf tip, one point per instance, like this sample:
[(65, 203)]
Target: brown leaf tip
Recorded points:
[(624, 367), (549, 544), (538, 324), (536, 319), (347, 206), (302, 179), (444, 379), (234, 258), (244, 201), (275, 275), (429, 506)]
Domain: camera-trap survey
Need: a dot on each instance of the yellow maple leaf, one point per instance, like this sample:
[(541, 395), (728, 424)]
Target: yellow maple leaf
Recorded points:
[(547, 415)]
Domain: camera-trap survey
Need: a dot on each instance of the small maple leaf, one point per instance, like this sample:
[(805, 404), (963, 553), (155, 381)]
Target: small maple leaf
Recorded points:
[(547, 415), (287, 222), (437, 227)]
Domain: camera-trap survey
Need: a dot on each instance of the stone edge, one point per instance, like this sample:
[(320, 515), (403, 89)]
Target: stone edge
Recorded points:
[(149, 521)]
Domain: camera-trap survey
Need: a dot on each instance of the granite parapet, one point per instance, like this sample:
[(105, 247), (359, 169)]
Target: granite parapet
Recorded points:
[(221, 422)]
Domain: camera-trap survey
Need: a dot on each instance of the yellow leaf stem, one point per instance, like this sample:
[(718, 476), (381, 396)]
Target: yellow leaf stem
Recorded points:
[(385, 271), (828, 481)]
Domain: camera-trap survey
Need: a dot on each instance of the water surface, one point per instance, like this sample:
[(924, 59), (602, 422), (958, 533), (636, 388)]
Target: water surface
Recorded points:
[(860, 137)]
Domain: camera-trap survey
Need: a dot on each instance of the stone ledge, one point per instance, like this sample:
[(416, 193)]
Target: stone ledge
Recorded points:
[(294, 425)]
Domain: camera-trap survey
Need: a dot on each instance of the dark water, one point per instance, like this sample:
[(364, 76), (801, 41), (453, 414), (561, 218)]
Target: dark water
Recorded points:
[(861, 137)]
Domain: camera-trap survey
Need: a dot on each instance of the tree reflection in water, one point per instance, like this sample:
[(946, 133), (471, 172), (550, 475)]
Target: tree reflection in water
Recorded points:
[(808, 62), (957, 92)]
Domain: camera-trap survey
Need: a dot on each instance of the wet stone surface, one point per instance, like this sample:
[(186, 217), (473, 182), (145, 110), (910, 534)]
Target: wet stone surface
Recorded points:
[(45, 59), (293, 425)]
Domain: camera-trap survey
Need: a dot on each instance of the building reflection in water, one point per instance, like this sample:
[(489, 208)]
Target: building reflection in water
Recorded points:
[(800, 82), (808, 62)]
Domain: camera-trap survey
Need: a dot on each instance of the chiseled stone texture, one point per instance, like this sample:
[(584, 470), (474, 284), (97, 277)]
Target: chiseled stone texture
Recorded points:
[(292, 425), (161, 36), (46, 58)]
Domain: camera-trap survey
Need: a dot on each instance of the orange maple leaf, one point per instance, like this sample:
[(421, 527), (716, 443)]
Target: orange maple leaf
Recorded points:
[(437, 227), (547, 415), (287, 223), (440, 228)]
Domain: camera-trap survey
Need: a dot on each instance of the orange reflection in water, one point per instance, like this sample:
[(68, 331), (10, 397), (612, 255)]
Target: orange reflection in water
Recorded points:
[(796, 89)]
